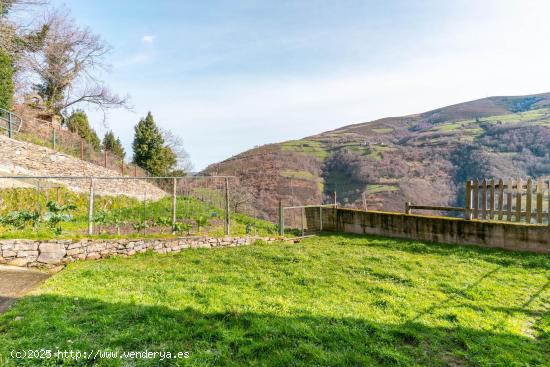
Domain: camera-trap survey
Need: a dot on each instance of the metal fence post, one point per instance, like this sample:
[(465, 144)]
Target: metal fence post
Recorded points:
[(144, 209), (9, 125), (408, 207), (38, 206), (54, 143), (303, 221), (174, 201), (281, 219), (227, 216), (91, 209)]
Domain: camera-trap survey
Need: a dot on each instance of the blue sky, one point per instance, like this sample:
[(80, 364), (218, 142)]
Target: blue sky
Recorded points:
[(229, 75)]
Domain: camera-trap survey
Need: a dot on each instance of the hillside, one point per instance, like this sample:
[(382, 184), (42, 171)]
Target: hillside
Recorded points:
[(423, 158)]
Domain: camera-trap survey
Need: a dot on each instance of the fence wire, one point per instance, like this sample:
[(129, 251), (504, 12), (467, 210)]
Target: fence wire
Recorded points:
[(82, 206)]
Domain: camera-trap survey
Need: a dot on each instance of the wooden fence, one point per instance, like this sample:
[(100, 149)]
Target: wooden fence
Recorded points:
[(508, 200)]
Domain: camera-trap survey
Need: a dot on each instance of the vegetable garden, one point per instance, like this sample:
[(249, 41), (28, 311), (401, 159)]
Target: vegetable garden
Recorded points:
[(60, 212)]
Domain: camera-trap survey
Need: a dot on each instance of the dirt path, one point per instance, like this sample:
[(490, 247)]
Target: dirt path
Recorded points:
[(16, 282)]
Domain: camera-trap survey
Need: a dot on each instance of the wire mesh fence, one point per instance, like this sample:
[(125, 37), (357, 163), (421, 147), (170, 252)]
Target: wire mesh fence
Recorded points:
[(123, 206)]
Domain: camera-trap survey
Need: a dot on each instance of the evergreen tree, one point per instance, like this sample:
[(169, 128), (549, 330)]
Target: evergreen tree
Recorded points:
[(78, 123), (150, 151), (113, 145), (6, 81)]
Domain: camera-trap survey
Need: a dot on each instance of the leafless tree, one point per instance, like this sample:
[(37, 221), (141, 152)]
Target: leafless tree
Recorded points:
[(175, 143), (17, 34), (69, 64), (241, 198)]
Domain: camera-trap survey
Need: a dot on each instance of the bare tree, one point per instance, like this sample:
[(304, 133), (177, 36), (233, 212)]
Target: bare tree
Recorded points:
[(17, 35), (175, 143), (68, 66), (241, 198)]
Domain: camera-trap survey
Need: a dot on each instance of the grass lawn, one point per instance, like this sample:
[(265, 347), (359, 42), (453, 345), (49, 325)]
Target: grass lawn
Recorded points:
[(332, 300)]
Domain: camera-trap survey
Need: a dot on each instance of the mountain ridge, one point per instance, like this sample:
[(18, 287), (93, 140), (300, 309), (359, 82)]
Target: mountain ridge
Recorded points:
[(385, 162)]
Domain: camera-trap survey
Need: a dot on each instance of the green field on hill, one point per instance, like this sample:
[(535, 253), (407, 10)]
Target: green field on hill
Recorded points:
[(332, 300)]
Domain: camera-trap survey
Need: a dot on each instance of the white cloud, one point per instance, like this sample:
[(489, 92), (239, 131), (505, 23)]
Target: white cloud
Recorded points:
[(148, 39)]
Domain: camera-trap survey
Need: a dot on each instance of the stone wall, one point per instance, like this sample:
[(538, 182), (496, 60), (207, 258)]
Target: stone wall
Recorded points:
[(33, 253), (19, 158), (505, 235)]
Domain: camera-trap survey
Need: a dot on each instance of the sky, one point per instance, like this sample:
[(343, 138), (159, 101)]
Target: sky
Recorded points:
[(230, 75)]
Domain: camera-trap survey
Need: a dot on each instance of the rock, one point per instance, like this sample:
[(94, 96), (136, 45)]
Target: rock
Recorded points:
[(51, 253), (25, 246), (93, 256), (20, 261), (9, 253)]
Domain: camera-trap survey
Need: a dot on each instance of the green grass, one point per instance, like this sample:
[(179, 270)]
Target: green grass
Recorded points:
[(309, 147), (327, 301), (372, 189), (376, 151), (301, 175)]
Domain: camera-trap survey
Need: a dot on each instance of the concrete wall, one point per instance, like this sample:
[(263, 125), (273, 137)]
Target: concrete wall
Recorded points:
[(33, 253), (510, 236)]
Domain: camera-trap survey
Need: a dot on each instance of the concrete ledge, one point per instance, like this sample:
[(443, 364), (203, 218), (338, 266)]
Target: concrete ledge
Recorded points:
[(509, 236)]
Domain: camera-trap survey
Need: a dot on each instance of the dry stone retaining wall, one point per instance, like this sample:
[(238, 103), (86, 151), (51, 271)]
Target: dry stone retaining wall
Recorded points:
[(19, 158), (33, 253)]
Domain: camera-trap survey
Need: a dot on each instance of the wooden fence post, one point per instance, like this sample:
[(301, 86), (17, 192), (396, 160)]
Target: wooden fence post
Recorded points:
[(468, 206), (476, 198), (500, 199), (529, 198), (492, 199), (519, 189), (408, 207), (509, 199), (484, 199), (540, 197)]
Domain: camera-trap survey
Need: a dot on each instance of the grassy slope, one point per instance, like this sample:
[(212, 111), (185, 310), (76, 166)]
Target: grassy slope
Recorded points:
[(334, 300)]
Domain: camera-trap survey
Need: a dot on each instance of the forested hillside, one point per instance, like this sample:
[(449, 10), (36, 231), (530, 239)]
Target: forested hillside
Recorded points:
[(423, 158)]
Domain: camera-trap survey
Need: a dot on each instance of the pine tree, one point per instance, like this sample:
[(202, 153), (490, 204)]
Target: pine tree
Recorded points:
[(113, 145), (150, 151), (78, 123)]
